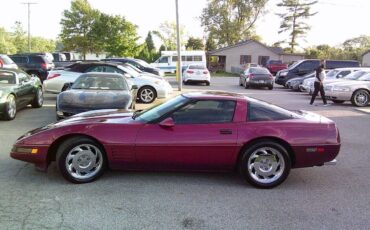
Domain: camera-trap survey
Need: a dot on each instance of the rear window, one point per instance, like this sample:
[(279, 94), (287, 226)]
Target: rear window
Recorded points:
[(259, 71), (197, 67), (262, 111), (37, 59), (275, 62)]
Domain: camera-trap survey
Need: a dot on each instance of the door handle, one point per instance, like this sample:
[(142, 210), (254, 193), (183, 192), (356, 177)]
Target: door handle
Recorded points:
[(226, 131)]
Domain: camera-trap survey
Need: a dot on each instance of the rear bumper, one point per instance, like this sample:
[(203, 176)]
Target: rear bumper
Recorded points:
[(337, 95), (306, 156)]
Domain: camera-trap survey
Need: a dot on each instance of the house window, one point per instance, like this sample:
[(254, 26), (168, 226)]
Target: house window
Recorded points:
[(244, 59)]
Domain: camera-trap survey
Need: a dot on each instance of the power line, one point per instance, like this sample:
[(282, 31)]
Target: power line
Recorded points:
[(29, 22)]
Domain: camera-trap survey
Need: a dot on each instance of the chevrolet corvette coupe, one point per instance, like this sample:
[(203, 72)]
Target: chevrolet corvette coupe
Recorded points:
[(209, 131)]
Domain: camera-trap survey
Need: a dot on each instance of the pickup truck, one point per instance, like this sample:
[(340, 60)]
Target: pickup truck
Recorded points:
[(275, 66)]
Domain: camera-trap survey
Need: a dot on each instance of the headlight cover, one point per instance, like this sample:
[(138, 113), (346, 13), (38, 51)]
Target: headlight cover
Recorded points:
[(283, 74)]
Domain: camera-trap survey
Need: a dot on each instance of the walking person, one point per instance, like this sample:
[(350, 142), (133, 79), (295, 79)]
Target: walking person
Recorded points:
[(319, 84)]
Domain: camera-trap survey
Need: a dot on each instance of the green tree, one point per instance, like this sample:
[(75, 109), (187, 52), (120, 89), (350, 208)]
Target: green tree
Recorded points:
[(39, 44), (194, 44), (6, 44), (210, 44), (115, 35), (149, 42), (168, 35), (77, 24), (297, 11), (19, 38), (230, 21)]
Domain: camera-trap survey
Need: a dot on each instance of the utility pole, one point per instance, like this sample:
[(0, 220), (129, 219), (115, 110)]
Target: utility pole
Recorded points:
[(29, 23), (179, 66)]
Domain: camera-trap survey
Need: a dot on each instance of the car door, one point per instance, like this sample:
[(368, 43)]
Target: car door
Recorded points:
[(203, 138), (25, 92)]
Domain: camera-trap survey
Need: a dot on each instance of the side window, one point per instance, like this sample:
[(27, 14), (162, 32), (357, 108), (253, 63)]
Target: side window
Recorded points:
[(198, 58), (306, 65), (343, 73), (261, 112), (174, 58), (163, 60), (189, 58), (205, 112)]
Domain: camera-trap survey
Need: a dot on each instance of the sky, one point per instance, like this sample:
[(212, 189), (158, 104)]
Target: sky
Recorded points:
[(336, 20)]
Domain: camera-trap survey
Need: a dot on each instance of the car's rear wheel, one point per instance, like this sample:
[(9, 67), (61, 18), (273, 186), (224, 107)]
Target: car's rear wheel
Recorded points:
[(240, 82), (208, 83), (38, 101), (246, 86), (265, 164), (271, 87), (10, 107), (360, 98), (147, 94), (338, 101), (81, 160)]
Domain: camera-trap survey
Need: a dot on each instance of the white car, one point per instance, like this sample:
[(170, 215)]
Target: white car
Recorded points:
[(149, 88), (196, 73), (331, 76), (7, 63)]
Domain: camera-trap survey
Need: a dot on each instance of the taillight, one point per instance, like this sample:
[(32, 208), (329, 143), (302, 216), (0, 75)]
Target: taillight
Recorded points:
[(1, 63), (190, 71), (271, 77), (52, 75), (251, 75), (44, 65), (205, 72)]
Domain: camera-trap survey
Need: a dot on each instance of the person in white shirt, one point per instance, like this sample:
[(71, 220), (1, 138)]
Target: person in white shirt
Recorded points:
[(319, 84)]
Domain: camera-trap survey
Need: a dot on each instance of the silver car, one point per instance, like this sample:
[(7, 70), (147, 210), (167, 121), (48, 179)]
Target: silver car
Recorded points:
[(356, 91)]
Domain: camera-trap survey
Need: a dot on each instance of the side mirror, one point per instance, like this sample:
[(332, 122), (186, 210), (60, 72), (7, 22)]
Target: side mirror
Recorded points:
[(67, 86), (167, 123), (134, 87), (339, 76)]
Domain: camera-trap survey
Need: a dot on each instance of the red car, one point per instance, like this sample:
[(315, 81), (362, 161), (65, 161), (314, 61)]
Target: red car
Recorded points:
[(212, 131)]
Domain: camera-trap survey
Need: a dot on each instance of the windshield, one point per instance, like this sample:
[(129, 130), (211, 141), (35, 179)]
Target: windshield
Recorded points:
[(355, 75), (133, 67), (365, 77), (259, 71), (197, 67), (93, 82), (294, 65), (143, 63), (7, 78), (129, 71), (159, 110), (332, 73)]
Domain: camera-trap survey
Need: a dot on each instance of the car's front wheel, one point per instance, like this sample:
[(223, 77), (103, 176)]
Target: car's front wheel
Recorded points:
[(10, 107), (38, 101), (265, 164), (147, 94), (360, 98), (81, 160)]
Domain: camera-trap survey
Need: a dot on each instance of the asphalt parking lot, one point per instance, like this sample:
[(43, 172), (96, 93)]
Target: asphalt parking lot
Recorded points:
[(328, 197)]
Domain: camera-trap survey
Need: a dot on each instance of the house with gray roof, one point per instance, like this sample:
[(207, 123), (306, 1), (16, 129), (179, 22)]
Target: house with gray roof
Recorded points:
[(234, 58)]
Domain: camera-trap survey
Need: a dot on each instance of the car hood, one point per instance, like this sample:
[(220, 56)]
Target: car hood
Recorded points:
[(76, 101)]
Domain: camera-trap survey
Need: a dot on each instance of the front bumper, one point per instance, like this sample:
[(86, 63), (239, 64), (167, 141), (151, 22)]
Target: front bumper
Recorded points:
[(164, 90), (338, 95), (39, 158)]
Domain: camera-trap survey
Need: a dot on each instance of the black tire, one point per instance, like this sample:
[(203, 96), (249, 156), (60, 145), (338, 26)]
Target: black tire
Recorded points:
[(184, 82), (144, 91), (271, 87), (360, 98), (208, 83), (10, 108), (280, 161), (240, 82), (38, 101), (68, 146), (338, 101), (246, 86)]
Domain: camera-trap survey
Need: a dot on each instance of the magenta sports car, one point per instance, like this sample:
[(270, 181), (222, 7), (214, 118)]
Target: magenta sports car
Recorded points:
[(211, 131)]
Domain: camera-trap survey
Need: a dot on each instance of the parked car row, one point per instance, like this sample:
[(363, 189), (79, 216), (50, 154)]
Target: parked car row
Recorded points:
[(340, 85)]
